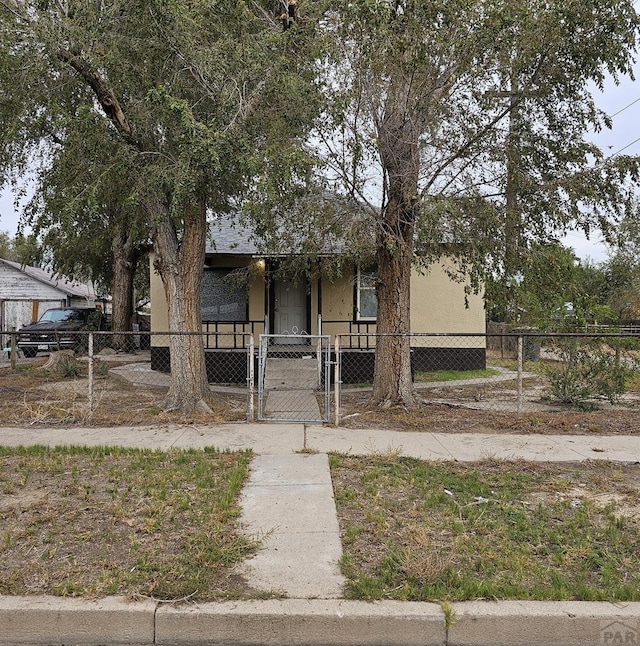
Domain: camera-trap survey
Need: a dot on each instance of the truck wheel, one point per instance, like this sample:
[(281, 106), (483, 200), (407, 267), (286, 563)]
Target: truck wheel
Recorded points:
[(29, 353)]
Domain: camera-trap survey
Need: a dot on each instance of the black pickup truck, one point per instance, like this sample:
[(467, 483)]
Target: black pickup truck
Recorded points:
[(57, 328)]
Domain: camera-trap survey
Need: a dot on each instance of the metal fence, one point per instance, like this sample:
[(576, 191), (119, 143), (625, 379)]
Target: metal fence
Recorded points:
[(516, 373), (520, 372), (293, 382)]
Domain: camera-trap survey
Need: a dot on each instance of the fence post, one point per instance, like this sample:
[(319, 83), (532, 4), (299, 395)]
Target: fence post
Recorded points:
[(319, 361), (12, 351), (336, 378), (250, 380), (520, 361), (91, 381)]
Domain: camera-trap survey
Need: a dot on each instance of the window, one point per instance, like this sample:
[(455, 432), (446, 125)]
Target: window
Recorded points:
[(366, 302), (224, 295)]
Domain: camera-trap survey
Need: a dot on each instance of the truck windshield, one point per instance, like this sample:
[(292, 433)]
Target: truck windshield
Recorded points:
[(55, 316)]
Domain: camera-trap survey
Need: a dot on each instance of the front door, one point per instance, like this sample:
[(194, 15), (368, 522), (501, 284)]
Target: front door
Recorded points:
[(290, 309)]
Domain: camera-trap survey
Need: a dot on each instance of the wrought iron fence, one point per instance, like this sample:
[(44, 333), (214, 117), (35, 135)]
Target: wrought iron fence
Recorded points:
[(517, 373)]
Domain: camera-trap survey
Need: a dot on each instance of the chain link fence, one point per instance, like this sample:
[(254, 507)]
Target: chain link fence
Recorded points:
[(522, 372), (87, 381), (293, 381)]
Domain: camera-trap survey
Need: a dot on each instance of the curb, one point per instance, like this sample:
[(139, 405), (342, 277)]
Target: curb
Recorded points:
[(55, 621)]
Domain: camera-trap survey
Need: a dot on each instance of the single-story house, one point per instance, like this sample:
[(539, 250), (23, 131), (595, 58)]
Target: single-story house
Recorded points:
[(243, 292), (27, 292)]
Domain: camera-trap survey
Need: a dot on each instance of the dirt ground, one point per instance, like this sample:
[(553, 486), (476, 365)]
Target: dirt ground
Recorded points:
[(91, 552), (31, 395), (446, 418), (78, 522)]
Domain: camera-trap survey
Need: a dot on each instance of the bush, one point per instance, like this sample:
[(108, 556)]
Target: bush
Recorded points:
[(590, 370)]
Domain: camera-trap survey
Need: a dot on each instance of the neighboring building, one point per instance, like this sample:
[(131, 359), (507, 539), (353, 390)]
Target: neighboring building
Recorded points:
[(27, 292), (243, 293)]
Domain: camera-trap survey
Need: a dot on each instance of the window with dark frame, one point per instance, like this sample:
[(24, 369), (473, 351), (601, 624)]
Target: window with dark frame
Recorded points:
[(366, 301), (224, 295)]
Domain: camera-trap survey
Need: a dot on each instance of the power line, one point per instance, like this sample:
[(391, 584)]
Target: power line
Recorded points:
[(625, 147), (625, 107)]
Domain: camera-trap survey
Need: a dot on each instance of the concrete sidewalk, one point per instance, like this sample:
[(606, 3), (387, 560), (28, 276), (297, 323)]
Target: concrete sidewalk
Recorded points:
[(289, 502), (284, 439)]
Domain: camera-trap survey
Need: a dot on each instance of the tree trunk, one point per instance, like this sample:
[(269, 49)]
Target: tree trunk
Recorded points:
[(180, 264), (398, 141), (392, 383), (125, 259)]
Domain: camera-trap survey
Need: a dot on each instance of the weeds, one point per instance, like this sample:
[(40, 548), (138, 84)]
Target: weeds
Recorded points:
[(422, 531), (77, 521), (590, 370)]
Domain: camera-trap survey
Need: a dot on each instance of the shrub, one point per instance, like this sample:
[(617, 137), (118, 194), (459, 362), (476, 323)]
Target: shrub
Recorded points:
[(590, 370)]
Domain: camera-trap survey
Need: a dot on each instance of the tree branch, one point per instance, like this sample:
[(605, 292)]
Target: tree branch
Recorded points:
[(105, 95)]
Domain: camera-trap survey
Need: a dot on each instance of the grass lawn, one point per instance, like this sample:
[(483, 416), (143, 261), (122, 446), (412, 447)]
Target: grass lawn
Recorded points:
[(94, 522), (414, 530), (453, 375)]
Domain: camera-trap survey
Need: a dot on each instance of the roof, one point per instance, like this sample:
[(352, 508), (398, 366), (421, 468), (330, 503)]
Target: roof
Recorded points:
[(62, 283), (297, 232), (228, 236)]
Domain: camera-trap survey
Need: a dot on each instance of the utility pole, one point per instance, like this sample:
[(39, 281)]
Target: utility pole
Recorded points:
[(513, 213)]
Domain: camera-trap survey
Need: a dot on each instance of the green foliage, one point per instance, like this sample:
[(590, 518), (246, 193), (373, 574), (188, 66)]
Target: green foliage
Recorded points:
[(69, 369), (6, 246), (205, 92), (465, 128), (552, 278), (590, 370)]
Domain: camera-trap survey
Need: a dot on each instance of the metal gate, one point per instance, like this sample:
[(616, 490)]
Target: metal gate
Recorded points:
[(294, 378)]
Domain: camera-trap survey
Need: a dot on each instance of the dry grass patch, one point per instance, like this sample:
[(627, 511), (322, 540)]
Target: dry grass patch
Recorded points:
[(442, 418), (103, 521), (32, 395)]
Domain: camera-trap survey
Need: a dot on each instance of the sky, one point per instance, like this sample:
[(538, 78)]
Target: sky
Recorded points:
[(621, 102)]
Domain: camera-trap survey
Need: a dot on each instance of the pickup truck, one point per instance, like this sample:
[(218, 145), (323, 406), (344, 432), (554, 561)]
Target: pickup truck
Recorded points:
[(56, 329)]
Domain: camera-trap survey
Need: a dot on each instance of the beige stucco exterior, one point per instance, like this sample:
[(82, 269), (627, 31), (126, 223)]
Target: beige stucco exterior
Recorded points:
[(438, 305)]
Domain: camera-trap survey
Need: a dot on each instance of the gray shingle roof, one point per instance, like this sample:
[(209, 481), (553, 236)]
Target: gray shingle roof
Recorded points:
[(298, 230), (228, 236)]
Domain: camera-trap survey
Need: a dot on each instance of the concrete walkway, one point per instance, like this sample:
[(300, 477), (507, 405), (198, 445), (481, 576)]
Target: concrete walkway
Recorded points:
[(289, 388), (288, 501)]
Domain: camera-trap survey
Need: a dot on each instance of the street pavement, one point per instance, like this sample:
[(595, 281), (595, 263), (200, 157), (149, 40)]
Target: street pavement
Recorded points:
[(288, 502)]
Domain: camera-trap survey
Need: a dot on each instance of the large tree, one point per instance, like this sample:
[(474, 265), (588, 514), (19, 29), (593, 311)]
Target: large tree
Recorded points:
[(464, 125), (623, 269), (88, 220), (193, 95)]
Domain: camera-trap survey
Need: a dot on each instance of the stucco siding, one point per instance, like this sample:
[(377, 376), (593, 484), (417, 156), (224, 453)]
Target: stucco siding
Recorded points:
[(438, 305), (159, 314), (337, 298)]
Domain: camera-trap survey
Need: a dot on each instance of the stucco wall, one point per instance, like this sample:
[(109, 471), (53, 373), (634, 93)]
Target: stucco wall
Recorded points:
[(159, 314), (437, 303)]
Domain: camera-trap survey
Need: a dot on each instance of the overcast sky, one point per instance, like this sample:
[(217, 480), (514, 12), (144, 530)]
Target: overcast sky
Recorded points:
[(622, 102)]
